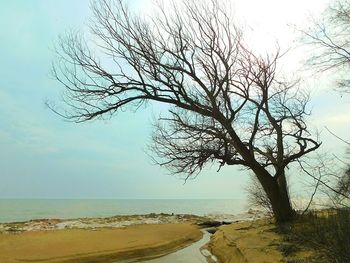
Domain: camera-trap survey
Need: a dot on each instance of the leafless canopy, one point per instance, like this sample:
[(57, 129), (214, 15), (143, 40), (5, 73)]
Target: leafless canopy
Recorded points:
[(330, 38), (226, 102)]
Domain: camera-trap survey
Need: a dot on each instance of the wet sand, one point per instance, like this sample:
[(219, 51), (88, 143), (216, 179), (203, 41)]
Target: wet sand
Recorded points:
[(96, 245)]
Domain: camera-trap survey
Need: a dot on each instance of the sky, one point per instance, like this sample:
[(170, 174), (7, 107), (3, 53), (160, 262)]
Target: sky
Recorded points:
[(44, 156)]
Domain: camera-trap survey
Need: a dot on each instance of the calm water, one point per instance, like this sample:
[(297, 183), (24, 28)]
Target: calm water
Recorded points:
[(12, 210), (188, 254)]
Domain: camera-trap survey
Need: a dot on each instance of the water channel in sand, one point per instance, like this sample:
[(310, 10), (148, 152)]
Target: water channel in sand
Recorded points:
[(191, 253)]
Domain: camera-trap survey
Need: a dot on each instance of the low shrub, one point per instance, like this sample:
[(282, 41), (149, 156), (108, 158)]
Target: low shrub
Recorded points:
[(326, 231)]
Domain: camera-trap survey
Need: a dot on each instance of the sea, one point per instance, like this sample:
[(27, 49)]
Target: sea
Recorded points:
[(18, 210)]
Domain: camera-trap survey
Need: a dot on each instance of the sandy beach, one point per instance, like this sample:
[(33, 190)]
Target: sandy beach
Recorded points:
[(137, 237), (97, 245), (254, 242)]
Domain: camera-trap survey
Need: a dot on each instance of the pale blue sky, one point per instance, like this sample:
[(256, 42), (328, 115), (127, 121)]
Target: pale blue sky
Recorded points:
[(42, 156)]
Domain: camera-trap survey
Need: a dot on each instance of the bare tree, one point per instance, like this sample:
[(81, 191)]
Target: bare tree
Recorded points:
[(342, 195), (226, 102), (330, 39), (331, 177)]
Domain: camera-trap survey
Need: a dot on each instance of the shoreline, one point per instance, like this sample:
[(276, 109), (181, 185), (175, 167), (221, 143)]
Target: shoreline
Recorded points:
[(93, 223), (122, 221), (110, 239), (138, 242)]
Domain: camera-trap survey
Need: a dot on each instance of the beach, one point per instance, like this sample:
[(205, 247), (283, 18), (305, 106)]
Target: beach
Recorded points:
[(112, 239), (153, 238), (252, 242), (136, 242), (48, 231)]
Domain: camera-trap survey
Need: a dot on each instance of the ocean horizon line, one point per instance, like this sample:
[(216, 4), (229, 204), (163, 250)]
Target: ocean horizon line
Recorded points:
[(65, 198)]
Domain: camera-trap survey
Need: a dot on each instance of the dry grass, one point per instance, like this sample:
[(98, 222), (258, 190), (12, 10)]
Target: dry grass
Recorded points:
[(325, 232)]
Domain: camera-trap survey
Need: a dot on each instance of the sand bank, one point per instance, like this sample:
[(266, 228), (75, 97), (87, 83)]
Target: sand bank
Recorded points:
[(256, 241), (96, 245), (110, 239), (252, 242)]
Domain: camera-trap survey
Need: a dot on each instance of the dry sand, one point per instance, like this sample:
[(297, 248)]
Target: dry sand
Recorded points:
[(135, 237), (252, 242), (98, 245)]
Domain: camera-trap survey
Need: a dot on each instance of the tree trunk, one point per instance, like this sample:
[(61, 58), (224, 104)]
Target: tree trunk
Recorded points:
[(277, 191)]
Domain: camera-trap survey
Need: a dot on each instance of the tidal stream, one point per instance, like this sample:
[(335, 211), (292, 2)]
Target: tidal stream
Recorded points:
[(191, 253)]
